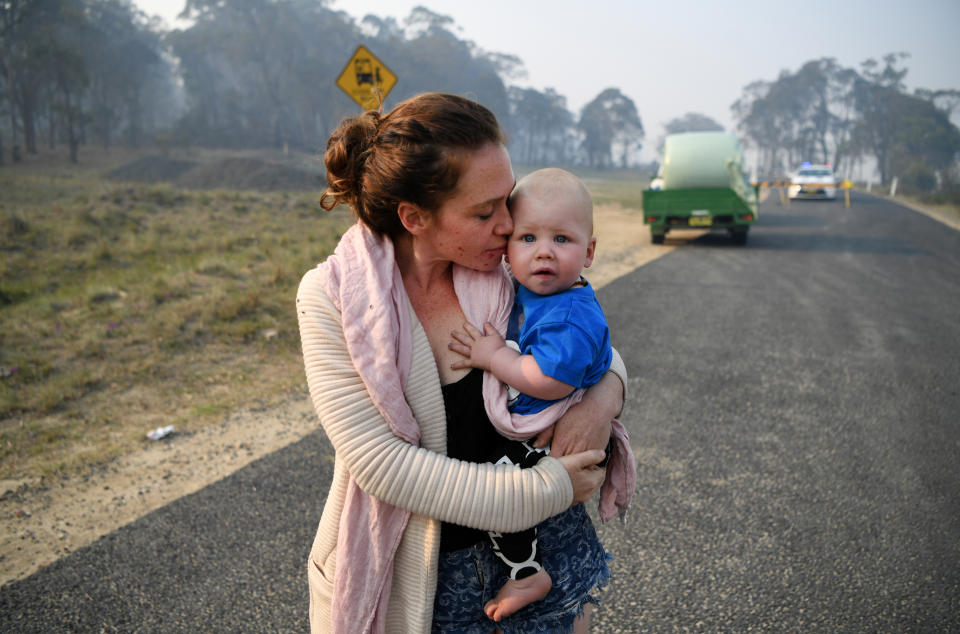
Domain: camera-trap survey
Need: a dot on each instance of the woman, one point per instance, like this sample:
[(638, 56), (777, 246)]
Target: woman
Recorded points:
[(428, 182)]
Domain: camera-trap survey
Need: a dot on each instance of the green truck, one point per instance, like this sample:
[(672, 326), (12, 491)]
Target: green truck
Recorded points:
[(701, 185)]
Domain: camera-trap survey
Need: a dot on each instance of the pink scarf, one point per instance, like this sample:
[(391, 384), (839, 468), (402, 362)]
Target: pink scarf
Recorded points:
[(363, 281)]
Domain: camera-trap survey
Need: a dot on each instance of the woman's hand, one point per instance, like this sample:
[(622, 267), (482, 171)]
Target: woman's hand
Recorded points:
[(584, 473), (586, 425)]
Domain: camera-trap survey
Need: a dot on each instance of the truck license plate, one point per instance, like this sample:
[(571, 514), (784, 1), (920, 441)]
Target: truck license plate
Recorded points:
[(701, 221)]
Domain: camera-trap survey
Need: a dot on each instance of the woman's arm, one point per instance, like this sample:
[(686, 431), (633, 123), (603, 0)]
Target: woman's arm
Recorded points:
[(489, 497), (586, 425)]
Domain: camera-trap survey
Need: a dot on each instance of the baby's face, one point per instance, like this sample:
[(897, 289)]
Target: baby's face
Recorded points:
[(551, 242)]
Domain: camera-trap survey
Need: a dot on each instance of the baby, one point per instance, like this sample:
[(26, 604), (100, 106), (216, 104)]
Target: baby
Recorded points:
[(564, 343)]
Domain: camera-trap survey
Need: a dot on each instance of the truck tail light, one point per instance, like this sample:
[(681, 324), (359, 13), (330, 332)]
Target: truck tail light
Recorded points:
[(651, 219), (747, 217)]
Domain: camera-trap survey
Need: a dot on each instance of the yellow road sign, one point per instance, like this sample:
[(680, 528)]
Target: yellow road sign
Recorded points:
[(366, 79)]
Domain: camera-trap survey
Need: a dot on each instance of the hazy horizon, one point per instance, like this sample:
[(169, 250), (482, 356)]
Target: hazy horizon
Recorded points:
[(684, 56)]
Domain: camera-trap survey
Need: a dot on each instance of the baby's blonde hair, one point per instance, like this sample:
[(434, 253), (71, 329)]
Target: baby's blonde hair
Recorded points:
[(552, 183)]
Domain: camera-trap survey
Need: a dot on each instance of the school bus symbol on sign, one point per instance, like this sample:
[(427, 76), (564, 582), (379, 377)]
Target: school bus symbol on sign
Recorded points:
[(366, 79)]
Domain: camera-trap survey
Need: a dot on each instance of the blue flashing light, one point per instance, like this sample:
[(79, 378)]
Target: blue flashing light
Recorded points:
[(805, 164)]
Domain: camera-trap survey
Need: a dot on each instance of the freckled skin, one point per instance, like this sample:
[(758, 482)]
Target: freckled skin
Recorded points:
[(471, 227)]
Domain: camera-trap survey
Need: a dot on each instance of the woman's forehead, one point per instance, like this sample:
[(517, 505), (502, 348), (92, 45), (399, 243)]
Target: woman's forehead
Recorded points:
[(487, 174)]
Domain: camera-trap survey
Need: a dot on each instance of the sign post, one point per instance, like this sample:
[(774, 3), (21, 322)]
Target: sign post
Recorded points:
[(366, 79), (847, 186)]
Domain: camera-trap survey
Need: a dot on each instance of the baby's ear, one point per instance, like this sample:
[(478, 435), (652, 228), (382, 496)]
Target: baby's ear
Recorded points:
[(591, 249)]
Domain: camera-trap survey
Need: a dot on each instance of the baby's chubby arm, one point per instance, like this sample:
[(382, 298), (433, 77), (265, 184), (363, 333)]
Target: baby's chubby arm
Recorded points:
[(488, 351)]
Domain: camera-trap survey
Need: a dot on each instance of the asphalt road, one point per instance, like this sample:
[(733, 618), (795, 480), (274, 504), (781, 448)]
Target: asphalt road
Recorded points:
[(794, 405)]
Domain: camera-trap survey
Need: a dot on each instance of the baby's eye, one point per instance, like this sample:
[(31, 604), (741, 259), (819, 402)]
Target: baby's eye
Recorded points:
[(527, 238), (561, 239)]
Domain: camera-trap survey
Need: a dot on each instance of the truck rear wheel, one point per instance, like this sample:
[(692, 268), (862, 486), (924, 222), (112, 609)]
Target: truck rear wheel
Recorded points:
[(739, 236), (657, 238)]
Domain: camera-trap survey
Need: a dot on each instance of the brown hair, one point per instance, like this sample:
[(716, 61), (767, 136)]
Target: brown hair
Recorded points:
[(414, 154)]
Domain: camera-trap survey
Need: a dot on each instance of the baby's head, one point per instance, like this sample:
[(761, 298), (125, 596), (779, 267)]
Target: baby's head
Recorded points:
[(552, 238)]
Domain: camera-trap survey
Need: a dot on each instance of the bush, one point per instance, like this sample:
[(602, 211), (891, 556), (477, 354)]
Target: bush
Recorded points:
[(943, 197), (918, 179)]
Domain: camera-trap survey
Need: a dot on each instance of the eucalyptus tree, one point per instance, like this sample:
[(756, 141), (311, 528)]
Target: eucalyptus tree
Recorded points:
[(904, 133), (947, 100), (542, 129), (27, 33), (427, 55), (255, 70), (74, 65), (70, 80), (264, 72), (802, 115), (880, 104), (823, 90), (123, 56), (758, 126), (610, 124)]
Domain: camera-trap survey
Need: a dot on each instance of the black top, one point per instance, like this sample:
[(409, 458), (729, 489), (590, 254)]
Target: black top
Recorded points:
[(470, 436)]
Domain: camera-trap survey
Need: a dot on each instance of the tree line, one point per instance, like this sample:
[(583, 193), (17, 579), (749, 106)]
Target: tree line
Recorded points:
[(262, 73), (259, 73), (76, 72), (827, 113)]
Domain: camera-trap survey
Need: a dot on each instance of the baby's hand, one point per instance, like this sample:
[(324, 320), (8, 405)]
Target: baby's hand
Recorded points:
[(478, 347)]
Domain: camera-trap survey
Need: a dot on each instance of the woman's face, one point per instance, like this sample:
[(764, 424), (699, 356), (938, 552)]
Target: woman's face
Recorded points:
[(472, 225)]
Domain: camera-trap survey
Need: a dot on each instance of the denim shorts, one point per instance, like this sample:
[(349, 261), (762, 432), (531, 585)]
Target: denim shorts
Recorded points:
[(469, 577)]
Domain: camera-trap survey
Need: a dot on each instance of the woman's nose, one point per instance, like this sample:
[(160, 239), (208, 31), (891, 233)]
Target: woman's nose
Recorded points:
[(504, 222)]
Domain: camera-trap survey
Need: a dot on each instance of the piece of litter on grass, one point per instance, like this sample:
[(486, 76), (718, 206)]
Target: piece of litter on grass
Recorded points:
[(160, 432)]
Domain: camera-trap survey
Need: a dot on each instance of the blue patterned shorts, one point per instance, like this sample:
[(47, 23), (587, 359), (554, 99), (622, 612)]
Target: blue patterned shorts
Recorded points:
[(469, 577)]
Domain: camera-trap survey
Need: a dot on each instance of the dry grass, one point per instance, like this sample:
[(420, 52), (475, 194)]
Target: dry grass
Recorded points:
[(126, 307)]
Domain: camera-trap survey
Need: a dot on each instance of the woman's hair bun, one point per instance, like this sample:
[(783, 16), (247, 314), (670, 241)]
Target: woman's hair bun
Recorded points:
[(346, 156), (414, 153)]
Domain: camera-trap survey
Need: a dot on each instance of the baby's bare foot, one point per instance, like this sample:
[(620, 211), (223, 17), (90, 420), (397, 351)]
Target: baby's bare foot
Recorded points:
[(517, 593)]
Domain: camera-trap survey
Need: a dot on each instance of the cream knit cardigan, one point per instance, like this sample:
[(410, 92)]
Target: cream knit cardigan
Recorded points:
[(422, 479)]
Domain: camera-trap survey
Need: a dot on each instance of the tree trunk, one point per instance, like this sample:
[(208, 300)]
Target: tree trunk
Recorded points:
[(13, 114), (70, 123), (136, 120), (27, 107), (51, 127), (882, 167), (72, 133)]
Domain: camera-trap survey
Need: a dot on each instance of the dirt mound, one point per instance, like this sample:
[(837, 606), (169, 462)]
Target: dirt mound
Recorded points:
[(249, 173), (227, 173), (152, 169)]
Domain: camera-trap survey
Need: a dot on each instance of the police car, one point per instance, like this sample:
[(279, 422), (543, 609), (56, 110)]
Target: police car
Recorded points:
[(813, 181)]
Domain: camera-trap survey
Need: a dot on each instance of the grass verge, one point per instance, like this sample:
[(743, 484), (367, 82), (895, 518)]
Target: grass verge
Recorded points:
[(126, 307)]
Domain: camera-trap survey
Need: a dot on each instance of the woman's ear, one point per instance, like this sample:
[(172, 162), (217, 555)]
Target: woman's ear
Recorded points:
[(413, 219)]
